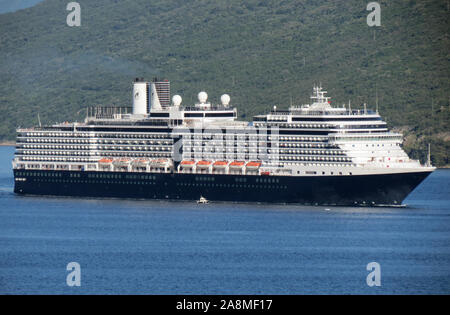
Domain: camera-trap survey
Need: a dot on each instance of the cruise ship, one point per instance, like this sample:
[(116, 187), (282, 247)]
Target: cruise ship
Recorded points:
[(158, 148)]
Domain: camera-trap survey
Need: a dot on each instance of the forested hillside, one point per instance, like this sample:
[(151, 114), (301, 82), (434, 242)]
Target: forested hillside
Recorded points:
[(261, 52)]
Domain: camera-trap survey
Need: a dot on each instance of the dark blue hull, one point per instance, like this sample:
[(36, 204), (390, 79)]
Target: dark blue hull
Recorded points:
[(389, 189)]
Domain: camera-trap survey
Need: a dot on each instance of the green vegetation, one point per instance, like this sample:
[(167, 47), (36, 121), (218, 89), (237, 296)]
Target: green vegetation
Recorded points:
[(261, 52)]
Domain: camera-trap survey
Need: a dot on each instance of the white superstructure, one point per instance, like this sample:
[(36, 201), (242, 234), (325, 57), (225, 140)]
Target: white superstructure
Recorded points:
[(309, 140)]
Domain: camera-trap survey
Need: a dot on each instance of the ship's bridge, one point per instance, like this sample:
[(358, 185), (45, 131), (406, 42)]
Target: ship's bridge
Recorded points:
[(321, 112)]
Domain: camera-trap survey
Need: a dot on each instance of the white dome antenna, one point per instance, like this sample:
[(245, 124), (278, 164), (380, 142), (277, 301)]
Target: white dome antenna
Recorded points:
[(202, 97), (176, 100), (225, 99)]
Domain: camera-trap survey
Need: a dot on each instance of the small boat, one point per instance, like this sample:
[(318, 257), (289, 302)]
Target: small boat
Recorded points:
[(187, 164), (140, 162), (237, 164), (121, 162), (160, 163), (105, 161), (203, 164), (254, 165), (220, 164), (202, 200)]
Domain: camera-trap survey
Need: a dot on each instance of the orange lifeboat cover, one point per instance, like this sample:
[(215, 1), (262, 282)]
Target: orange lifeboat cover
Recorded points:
[(105, 160), (221, 163), (254, 163)]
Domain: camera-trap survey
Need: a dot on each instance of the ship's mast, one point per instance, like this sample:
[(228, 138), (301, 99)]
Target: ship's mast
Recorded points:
[(376, 98), (319, 95)]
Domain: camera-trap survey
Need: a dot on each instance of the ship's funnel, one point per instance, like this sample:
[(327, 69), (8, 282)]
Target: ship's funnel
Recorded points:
[(140, 97)]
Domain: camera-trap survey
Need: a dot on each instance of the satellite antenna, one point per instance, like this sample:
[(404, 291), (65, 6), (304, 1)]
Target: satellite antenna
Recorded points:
[(176, 100), (225, 99)]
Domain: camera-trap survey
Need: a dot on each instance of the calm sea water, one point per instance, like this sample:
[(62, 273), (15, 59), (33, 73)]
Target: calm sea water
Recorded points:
[(153, 247)]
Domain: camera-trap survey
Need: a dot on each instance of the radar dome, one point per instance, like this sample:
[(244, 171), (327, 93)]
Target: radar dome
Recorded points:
[(202, 97), (225, 99), (176, 100)]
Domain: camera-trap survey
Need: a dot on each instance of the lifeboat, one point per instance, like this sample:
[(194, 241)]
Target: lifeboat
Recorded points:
[(160, 163), (121, 162), (254, 165), (220, 164), (141, 162), (105, 161), (237, 164), (204, 164), (187, 163)]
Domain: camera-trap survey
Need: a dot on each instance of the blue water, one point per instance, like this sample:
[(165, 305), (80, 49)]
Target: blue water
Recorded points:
[(14, 5), (152, 247)]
